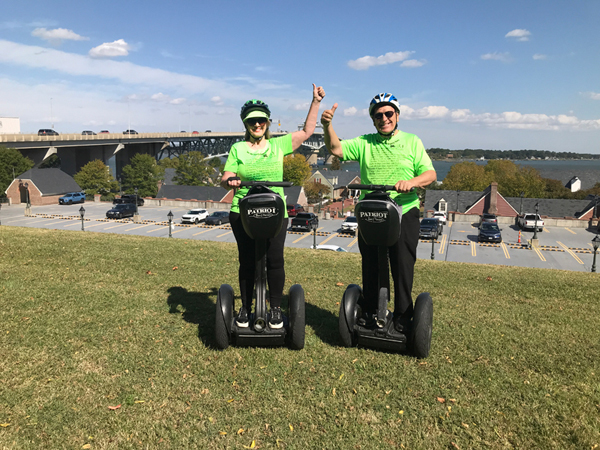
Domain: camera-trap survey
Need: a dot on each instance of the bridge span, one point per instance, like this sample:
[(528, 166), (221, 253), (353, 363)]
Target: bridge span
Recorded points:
[(117, 149)]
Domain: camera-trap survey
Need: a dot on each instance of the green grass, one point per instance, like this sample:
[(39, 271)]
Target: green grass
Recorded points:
[(92, 321)]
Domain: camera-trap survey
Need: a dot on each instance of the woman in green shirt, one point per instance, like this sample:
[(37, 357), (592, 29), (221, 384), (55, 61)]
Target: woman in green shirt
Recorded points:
[(260, 158), (388, 157)]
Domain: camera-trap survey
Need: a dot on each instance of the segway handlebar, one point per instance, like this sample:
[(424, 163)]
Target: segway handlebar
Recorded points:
[(374, 187), (263, 183)]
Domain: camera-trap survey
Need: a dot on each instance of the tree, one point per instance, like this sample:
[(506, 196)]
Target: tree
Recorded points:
[(169, 163), (12, 163), (52, 162), (335, 163), (466, 176), (295, 169), (142, 172), (95, 178), (193, 170), (313, 189)]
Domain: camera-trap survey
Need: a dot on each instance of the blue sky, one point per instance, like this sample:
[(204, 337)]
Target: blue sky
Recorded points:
[(468, 74)]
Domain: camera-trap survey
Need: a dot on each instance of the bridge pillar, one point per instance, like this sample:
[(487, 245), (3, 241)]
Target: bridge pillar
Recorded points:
[(312, 159)]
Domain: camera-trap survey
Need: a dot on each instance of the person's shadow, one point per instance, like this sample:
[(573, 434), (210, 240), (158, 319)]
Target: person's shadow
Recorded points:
[(197, 308), (324, 323)]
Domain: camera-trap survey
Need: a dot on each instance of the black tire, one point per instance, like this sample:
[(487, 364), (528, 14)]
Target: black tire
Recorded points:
[(224, 316), (219, 223), (196, 221), (422, 325), (297, 317), (70, 202), (349, 314)]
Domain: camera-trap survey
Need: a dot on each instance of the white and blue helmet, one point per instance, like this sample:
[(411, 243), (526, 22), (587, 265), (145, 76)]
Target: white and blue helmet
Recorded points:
[(384, 99)]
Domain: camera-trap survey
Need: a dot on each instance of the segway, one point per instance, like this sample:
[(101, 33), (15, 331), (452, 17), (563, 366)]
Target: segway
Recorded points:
[(379, 221), (262, 212)]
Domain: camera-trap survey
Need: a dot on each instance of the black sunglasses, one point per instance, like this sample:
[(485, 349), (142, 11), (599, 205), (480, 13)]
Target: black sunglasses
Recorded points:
[(388, 114), (255, 120)]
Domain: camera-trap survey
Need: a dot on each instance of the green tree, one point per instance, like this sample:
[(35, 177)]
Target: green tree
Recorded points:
[(466, 176), (142, 172), (169, 163), (12, 164), (295, 169), (95, 178), (193, 170), (313, 189), (52, 162)]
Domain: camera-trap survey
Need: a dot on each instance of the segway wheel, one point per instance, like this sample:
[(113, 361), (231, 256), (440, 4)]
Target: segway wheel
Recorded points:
[(348, 314), (422, 325), (297, 317), (224, 316)]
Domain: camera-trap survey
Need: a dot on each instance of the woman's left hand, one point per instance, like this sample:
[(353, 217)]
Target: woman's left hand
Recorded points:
[(318, 93)]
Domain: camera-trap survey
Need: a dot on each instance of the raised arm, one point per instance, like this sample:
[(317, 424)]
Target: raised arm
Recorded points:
[(332, 142), (298, 137)]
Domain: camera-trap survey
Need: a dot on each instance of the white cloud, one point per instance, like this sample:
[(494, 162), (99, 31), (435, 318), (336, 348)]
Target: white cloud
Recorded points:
[(350, 111), (110, 49), (519, 34), (503, 57), (177, 101), (57, 35), (539, 56), (413, 63), (160, 97), (592, 95), (368, 61), (217, 101)]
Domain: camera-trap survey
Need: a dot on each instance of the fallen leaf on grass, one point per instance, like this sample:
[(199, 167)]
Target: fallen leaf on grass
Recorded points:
[(454, 445), (4, 425), (241, 431), (251, 445), (87, 446), (175, 268), (114, 407), (487, 279), (222, 433), (339, 284), (465, 425), (139, 401), (441, 400), (291, 427)]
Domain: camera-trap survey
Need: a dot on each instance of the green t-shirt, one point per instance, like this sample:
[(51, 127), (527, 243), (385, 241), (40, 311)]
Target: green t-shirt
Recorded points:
[(258, 165), (388, 160)]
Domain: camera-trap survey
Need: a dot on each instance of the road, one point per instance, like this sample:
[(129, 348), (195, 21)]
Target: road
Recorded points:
[(559, 248)]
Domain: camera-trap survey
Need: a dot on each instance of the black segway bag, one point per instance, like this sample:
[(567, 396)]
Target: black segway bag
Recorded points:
[(262, 212), (379, 219)]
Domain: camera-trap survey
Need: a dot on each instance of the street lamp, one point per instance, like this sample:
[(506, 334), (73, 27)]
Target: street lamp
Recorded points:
[(595, 207), (27, 193), (136, 200), (82, 213), (595, 243), (457, 194), (432, 247), (537, 208), (170, 216)]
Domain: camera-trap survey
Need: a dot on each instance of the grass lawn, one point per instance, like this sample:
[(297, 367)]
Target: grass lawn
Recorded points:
[(107, 342)]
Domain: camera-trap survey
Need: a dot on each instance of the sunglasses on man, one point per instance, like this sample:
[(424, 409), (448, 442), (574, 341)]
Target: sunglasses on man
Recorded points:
[(388, 114), (254, 120)]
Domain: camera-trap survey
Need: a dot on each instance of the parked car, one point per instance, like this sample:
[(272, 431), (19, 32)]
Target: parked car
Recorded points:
[(441, 216), (104, 132), (333, 248), (194, 216), (72, 197), (130, 132), (430, 228), (305, 221), (528, 222), (292, 210), (350, 225), (88, 133), (129, 198), (195, 132), (489, 218), (121, 210), (217, 218), (47, 132), (489, 232)]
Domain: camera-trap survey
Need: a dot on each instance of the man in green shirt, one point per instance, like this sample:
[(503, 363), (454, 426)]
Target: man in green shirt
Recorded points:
[(389, 157)]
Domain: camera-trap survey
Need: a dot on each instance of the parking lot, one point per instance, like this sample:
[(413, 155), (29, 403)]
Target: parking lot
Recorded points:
[(559, 248)]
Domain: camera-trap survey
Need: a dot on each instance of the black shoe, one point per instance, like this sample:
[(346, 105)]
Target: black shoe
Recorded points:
[(276, 320), (402, 324), (367, 320), (242, 318)]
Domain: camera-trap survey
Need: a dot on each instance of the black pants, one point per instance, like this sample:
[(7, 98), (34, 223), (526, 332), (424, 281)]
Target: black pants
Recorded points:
[(402, 257), (246, 254)]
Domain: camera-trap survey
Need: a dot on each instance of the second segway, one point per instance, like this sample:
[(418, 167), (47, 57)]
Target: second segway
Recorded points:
[(262, 212), (379, 224)]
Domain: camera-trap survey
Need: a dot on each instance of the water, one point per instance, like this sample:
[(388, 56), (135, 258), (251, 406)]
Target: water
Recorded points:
[(559, 167)]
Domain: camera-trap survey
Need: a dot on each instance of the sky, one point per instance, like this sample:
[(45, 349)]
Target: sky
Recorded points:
[(499, 75)]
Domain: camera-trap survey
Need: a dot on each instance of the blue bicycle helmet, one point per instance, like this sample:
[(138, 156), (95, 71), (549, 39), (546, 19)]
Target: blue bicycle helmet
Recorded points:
[(384, 99), (255, 108)]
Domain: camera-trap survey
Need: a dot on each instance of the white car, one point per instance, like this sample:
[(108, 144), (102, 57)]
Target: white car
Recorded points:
[(441, 216), (350, 225), (333, 248), (194, 216)]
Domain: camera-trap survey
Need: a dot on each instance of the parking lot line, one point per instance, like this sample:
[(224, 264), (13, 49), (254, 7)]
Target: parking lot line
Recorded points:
[(141, 226), (157, 229), (118, 225), (330, 237), (539, 253), (225, 234), (302, 237), (354, 241), (505, 248), (443, 244), (73, 224), (206, 231), (97, 225), (473, 249), (570, 231), (568, 250)]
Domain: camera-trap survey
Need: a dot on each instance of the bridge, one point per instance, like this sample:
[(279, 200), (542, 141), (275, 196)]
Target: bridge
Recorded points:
[(116, 149)]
